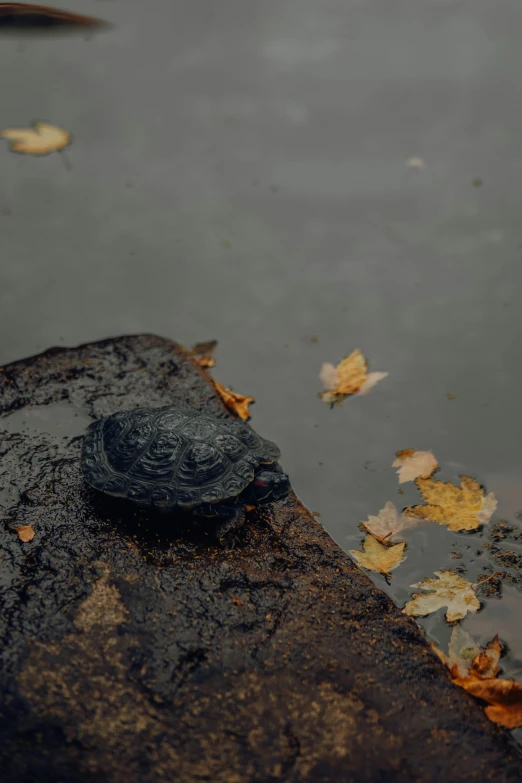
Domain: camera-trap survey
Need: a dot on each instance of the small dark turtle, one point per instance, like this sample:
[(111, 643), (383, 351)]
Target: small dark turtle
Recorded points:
[(175, 457)]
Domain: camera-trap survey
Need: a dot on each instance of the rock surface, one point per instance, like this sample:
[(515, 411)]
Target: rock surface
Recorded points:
[(136, 650)]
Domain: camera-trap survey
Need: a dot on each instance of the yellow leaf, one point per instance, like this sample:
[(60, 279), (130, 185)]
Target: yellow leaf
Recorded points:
[(25, 533), (41, 139), (477, 675), (414, 464), (350, 376), (460, 508), (449, 590), (236, 402), (377, 557)]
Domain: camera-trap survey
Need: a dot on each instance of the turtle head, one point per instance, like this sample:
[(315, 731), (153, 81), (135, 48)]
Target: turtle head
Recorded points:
[(270, 484)]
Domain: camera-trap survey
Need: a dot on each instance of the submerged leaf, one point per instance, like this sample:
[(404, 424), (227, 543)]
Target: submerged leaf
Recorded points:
[(377, 557), (460, 508), (449, 590), (414, 464), (388, 523)]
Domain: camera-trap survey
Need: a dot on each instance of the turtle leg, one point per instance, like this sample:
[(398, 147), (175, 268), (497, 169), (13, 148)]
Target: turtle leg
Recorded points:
[(230, 523)]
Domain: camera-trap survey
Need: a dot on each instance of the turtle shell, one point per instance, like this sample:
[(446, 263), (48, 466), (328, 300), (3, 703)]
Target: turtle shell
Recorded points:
[(172, 456)]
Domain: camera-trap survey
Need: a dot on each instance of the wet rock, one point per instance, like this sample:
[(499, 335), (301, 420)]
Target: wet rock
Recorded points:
[(135, 649)]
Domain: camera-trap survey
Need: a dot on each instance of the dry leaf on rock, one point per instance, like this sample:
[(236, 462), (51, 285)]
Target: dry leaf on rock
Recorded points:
[(378, 557), (449, 590), (235, 402), (388, 523), (351, 376), (475, 670), (202, 352), (460, 508), (414, 464), (25, 533), (205, 361), (204, 349), (42, 139)]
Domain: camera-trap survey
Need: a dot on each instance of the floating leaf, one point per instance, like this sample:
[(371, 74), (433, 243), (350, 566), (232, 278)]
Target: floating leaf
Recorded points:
[(377, 557), (449, 590), (414, 464), (235, 402), (475, 670), (26, 15), (388, 523), (41, 139), (25, 533), (460, 508), (416, 163), (351, 376)]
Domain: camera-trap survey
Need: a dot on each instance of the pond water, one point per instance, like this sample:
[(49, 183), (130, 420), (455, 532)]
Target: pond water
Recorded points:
[(239, 171)]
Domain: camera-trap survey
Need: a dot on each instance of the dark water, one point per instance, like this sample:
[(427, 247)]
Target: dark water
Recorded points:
[(239, 172)]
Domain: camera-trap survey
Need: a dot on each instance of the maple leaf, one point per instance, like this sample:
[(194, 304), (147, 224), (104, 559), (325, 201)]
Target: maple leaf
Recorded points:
[(235, 402), (461, 651), (460, 508), (41, 139), (388, 523), (25, 533), (414, 464), (449, 590), (378, 557), (351, 376), (475, 670)]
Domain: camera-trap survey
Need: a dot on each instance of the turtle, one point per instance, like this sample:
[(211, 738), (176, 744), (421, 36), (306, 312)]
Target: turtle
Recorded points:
[(176, 457)]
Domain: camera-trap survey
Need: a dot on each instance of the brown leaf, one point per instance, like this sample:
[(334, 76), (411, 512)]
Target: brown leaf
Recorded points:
[(460, 508), (42, 139), (235, 402), (30, 15), (486, 663), (238, 602), (203, 349), (350, 376), (480, 680), (25, 533), (206, 361)]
